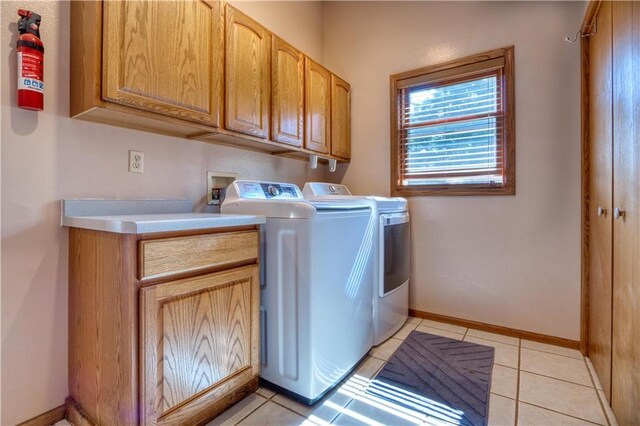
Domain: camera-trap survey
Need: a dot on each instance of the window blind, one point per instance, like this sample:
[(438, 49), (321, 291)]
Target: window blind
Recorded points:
[(451, 127)]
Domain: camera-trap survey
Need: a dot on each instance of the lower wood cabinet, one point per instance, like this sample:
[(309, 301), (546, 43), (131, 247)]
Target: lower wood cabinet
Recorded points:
[(176, 349), (199, 338)]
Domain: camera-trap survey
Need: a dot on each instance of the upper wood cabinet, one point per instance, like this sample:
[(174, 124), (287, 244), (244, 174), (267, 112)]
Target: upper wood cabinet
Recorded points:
[(165, 57), (287, 96), (340, 117), (248, 81), (202, 70), (317, 95)]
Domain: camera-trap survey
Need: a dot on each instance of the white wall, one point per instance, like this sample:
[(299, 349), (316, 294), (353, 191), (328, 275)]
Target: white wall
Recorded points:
[(300, 23), (47, 156), (511, 261)]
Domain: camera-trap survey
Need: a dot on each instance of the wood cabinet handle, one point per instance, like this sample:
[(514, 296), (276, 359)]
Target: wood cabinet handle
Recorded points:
[(617, 213), (602, 211)]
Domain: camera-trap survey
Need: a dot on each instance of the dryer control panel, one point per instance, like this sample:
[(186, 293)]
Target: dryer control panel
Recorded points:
[(319, 189), (268, 191)]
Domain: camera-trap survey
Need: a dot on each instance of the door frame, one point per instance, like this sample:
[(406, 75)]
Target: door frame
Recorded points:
[(587, 26)]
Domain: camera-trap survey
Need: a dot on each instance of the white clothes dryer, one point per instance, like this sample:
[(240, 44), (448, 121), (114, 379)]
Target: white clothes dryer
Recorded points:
[(391, 258)]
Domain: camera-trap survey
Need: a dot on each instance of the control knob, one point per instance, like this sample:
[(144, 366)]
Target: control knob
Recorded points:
[(273, 191)]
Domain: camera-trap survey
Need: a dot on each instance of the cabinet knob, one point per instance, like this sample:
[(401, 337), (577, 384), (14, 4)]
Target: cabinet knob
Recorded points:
[(602, 211), (617, 213)]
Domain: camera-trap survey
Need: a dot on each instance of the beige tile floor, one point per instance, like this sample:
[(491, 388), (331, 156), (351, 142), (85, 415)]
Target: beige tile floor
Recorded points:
[(532, 384)]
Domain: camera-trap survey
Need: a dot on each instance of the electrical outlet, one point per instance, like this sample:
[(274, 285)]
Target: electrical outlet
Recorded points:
[(136, 161)]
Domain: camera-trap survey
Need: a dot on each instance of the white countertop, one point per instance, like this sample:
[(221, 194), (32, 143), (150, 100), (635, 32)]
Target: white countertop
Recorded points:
[(166, 222), (145, 216)]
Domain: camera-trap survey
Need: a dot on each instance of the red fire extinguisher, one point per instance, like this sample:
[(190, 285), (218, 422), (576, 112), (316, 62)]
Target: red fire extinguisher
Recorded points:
[(30, 62)]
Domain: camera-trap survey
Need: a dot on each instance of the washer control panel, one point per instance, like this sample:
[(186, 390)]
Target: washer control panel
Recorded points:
[(268, 191)]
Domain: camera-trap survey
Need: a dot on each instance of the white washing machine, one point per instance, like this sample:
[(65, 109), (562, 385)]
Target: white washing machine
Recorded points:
[(315, 291), (391, 257)]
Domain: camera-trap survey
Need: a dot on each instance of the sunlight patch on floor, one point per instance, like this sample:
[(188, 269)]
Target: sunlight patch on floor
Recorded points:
[(408, 407)]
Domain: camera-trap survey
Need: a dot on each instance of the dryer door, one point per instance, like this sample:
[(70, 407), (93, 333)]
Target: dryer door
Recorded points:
[(394, 251)]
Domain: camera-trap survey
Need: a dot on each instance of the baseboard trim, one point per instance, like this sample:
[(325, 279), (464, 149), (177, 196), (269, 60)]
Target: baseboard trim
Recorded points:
[(498, 329), (48, 418), (76, 415)]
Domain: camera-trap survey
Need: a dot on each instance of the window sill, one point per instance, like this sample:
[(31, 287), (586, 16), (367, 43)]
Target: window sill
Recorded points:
[(461, 190)]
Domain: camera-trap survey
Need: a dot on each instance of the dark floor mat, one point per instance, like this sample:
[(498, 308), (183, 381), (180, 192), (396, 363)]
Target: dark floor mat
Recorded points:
[(443, 378)]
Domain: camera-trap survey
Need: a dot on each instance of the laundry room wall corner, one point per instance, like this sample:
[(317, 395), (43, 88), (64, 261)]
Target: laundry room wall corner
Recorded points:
[(513, 260)]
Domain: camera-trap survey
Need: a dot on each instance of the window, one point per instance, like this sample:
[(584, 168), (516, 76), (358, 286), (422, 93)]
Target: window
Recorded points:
[(453, 127)]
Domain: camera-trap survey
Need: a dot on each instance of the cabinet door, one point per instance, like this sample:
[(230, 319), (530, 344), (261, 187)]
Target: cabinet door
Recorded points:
[(317, 94), (199, 342), (340, 118), (165, 57), (247, 74), (600, 196), (287, 97), (625, 394)]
